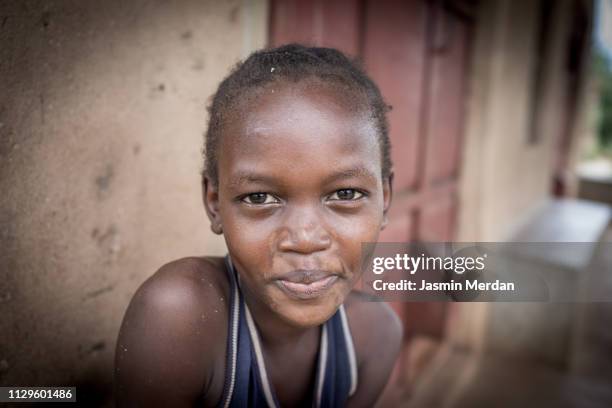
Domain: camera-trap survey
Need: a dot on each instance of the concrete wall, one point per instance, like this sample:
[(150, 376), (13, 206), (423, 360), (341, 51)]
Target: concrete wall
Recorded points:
[(504, 176), (102, 113)]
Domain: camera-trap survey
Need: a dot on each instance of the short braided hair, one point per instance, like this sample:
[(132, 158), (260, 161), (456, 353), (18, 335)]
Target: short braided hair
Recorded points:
[(293, 63)]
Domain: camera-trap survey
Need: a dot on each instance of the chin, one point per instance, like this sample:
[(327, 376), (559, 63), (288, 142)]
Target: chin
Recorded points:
[(308, 319), (310, 314)]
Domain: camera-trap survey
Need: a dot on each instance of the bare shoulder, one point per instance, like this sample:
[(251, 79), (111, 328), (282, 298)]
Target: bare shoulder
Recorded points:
[(377, 335), (174, 329), (191, 290), (373, 323), (193, 279)]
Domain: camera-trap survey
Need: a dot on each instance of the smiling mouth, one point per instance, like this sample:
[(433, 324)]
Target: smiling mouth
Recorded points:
[(307, 284)]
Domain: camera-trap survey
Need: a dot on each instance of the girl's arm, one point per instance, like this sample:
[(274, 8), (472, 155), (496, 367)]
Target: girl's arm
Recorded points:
[(167, 341), (377, 335)]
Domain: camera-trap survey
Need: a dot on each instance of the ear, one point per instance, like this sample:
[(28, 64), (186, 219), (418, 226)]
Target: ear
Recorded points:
[(210, 198), (387, 196)]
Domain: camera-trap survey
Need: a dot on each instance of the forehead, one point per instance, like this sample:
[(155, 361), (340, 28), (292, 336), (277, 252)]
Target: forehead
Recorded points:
[(296, 128)]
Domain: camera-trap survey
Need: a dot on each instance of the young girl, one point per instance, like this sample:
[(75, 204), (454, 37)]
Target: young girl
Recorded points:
[(297, 176)]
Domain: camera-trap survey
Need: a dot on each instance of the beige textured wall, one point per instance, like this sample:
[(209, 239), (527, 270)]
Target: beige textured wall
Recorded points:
[(503, 176), (102, 112)]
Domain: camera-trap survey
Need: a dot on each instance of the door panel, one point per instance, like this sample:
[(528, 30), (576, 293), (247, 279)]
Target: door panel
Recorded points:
[(324, 23), (448, 56), (394, 51)]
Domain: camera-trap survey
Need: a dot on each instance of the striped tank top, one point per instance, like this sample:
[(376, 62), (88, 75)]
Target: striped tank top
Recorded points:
[(246, 381)]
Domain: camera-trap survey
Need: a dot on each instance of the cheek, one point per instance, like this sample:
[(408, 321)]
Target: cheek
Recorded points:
[(350, 234), (251, 242), (249, 254), (362, 228), (254, 232)]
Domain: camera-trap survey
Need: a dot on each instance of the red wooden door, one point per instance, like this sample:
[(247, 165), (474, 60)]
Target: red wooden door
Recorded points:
[(417, 51)]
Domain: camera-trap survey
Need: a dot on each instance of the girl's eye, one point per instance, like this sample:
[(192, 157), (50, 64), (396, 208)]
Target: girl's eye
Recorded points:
[(260, 198), (346, 194)]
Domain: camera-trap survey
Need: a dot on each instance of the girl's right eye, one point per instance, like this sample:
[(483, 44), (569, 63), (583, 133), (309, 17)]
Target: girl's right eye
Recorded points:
[(260, 199)]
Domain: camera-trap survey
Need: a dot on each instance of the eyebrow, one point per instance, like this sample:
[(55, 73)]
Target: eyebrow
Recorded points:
[(354, 172), (246, 177), (249, 177)]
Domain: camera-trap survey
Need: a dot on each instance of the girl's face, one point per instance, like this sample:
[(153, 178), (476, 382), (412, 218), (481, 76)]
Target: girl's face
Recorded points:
[(299, 190)]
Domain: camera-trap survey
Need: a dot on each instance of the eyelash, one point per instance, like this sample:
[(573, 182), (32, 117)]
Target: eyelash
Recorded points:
[(360, 195), (245, 197)]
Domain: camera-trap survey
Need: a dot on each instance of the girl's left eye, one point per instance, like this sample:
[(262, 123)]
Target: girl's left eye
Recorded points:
[(346, 194)]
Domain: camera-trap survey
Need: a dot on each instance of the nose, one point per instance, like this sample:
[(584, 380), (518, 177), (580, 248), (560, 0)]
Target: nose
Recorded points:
[(304, 232)]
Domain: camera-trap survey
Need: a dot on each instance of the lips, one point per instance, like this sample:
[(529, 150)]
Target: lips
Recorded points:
[(307, 284)]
